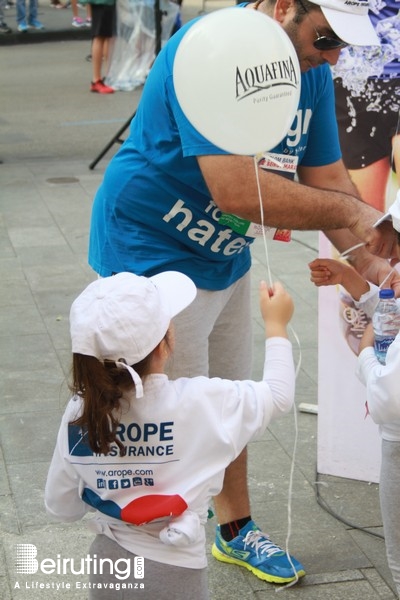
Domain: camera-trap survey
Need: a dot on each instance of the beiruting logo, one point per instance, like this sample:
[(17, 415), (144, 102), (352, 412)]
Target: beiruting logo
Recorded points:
[(28, 563)]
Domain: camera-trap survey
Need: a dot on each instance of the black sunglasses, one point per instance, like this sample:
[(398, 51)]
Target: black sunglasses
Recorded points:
[(324, 42)]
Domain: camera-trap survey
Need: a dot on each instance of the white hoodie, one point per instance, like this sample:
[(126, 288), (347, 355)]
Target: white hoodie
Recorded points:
[(180, 436), (382, 381)]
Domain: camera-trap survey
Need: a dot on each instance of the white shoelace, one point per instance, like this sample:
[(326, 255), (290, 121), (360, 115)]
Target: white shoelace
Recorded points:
[(261, 543), (356, 318)]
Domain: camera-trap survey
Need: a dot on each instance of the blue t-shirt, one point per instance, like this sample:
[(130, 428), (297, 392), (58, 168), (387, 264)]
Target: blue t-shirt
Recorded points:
[(153, 211)]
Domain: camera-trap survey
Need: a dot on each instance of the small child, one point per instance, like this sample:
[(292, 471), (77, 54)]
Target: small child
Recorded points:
[(383, 391), (148, 454)]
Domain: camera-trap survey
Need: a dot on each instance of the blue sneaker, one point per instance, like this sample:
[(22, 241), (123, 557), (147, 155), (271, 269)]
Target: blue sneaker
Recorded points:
[(254, 550), (35, 24), (22, 27)]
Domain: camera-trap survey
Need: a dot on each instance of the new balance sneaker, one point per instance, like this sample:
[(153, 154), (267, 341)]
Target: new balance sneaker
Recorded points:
[(101, 88), (254, 550), (35, 24)]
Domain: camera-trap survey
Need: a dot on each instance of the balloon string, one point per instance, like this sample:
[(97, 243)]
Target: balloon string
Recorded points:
[(296, 429), (262, 220)]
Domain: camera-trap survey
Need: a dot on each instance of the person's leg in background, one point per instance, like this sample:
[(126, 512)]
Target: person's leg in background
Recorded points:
[(396, 153), (373, 181), (4, 28), (33, 21), (97, 57), (22, 25), (103, 27), (99, 45), (88, 15), (77, 21)]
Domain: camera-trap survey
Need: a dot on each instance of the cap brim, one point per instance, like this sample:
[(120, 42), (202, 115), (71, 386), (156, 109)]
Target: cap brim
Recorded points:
[(353, 29), (176, 289), (387, 217), (393, 214)]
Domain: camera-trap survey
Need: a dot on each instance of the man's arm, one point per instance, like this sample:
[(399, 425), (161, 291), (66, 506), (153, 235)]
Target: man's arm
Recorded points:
[(334, 177), (373, 268), (309, 205)]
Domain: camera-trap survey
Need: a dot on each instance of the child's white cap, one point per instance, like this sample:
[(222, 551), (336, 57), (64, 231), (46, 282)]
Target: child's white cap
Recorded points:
[(125, 316), (393, 214)]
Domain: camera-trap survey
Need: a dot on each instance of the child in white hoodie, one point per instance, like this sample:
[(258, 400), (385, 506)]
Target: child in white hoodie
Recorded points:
[(148, 454)]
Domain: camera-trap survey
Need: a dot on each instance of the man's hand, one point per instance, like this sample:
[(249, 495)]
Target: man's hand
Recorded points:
[(383, 241), (379, 271)]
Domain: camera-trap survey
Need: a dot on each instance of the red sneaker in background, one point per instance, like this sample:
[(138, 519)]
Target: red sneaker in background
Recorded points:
[(101, 88)]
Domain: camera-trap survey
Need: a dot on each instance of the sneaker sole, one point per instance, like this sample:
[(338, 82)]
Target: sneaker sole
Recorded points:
[(260, 574)]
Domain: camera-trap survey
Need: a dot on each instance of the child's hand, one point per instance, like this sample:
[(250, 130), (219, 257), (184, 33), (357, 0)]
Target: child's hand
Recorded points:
[(276, 309), (367, 338), (326, 271)]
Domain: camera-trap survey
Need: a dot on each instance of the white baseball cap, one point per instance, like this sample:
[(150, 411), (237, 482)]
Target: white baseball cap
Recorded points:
[(393, 214), (125, 316), (350, 21)]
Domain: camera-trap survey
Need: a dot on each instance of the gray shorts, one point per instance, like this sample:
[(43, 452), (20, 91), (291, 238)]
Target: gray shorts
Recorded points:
[(213, 336), (159, 582)]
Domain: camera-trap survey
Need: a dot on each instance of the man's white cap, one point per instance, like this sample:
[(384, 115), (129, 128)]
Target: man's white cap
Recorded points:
[(393, 214), (350, 21), (124, 317)]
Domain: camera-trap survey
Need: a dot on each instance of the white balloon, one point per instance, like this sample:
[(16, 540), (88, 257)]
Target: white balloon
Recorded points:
[(237, 79)]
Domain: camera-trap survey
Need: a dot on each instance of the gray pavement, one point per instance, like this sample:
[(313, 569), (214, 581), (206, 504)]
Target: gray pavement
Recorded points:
[(51, 129), (57, 25), (58, 22)]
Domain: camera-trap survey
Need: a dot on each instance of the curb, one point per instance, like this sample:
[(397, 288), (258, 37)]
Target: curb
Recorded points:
[(34, 37)]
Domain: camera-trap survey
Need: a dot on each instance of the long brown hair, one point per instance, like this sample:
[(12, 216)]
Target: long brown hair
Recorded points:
[(101, 386)]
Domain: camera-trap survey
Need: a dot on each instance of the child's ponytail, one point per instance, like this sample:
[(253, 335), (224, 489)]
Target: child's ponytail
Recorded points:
[(101, 386)]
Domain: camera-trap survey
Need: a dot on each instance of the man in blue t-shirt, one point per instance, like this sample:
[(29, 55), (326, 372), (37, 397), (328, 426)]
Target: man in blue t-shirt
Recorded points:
[(160, 207)]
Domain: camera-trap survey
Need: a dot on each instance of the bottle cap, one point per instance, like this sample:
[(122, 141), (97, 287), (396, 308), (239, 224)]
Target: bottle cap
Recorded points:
[(386, 293)]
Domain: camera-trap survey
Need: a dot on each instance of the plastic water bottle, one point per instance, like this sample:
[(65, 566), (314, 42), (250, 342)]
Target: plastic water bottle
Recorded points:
[(385, 322)]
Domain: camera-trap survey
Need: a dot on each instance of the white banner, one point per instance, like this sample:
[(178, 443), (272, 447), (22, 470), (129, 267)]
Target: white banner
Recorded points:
[(348, 441)]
